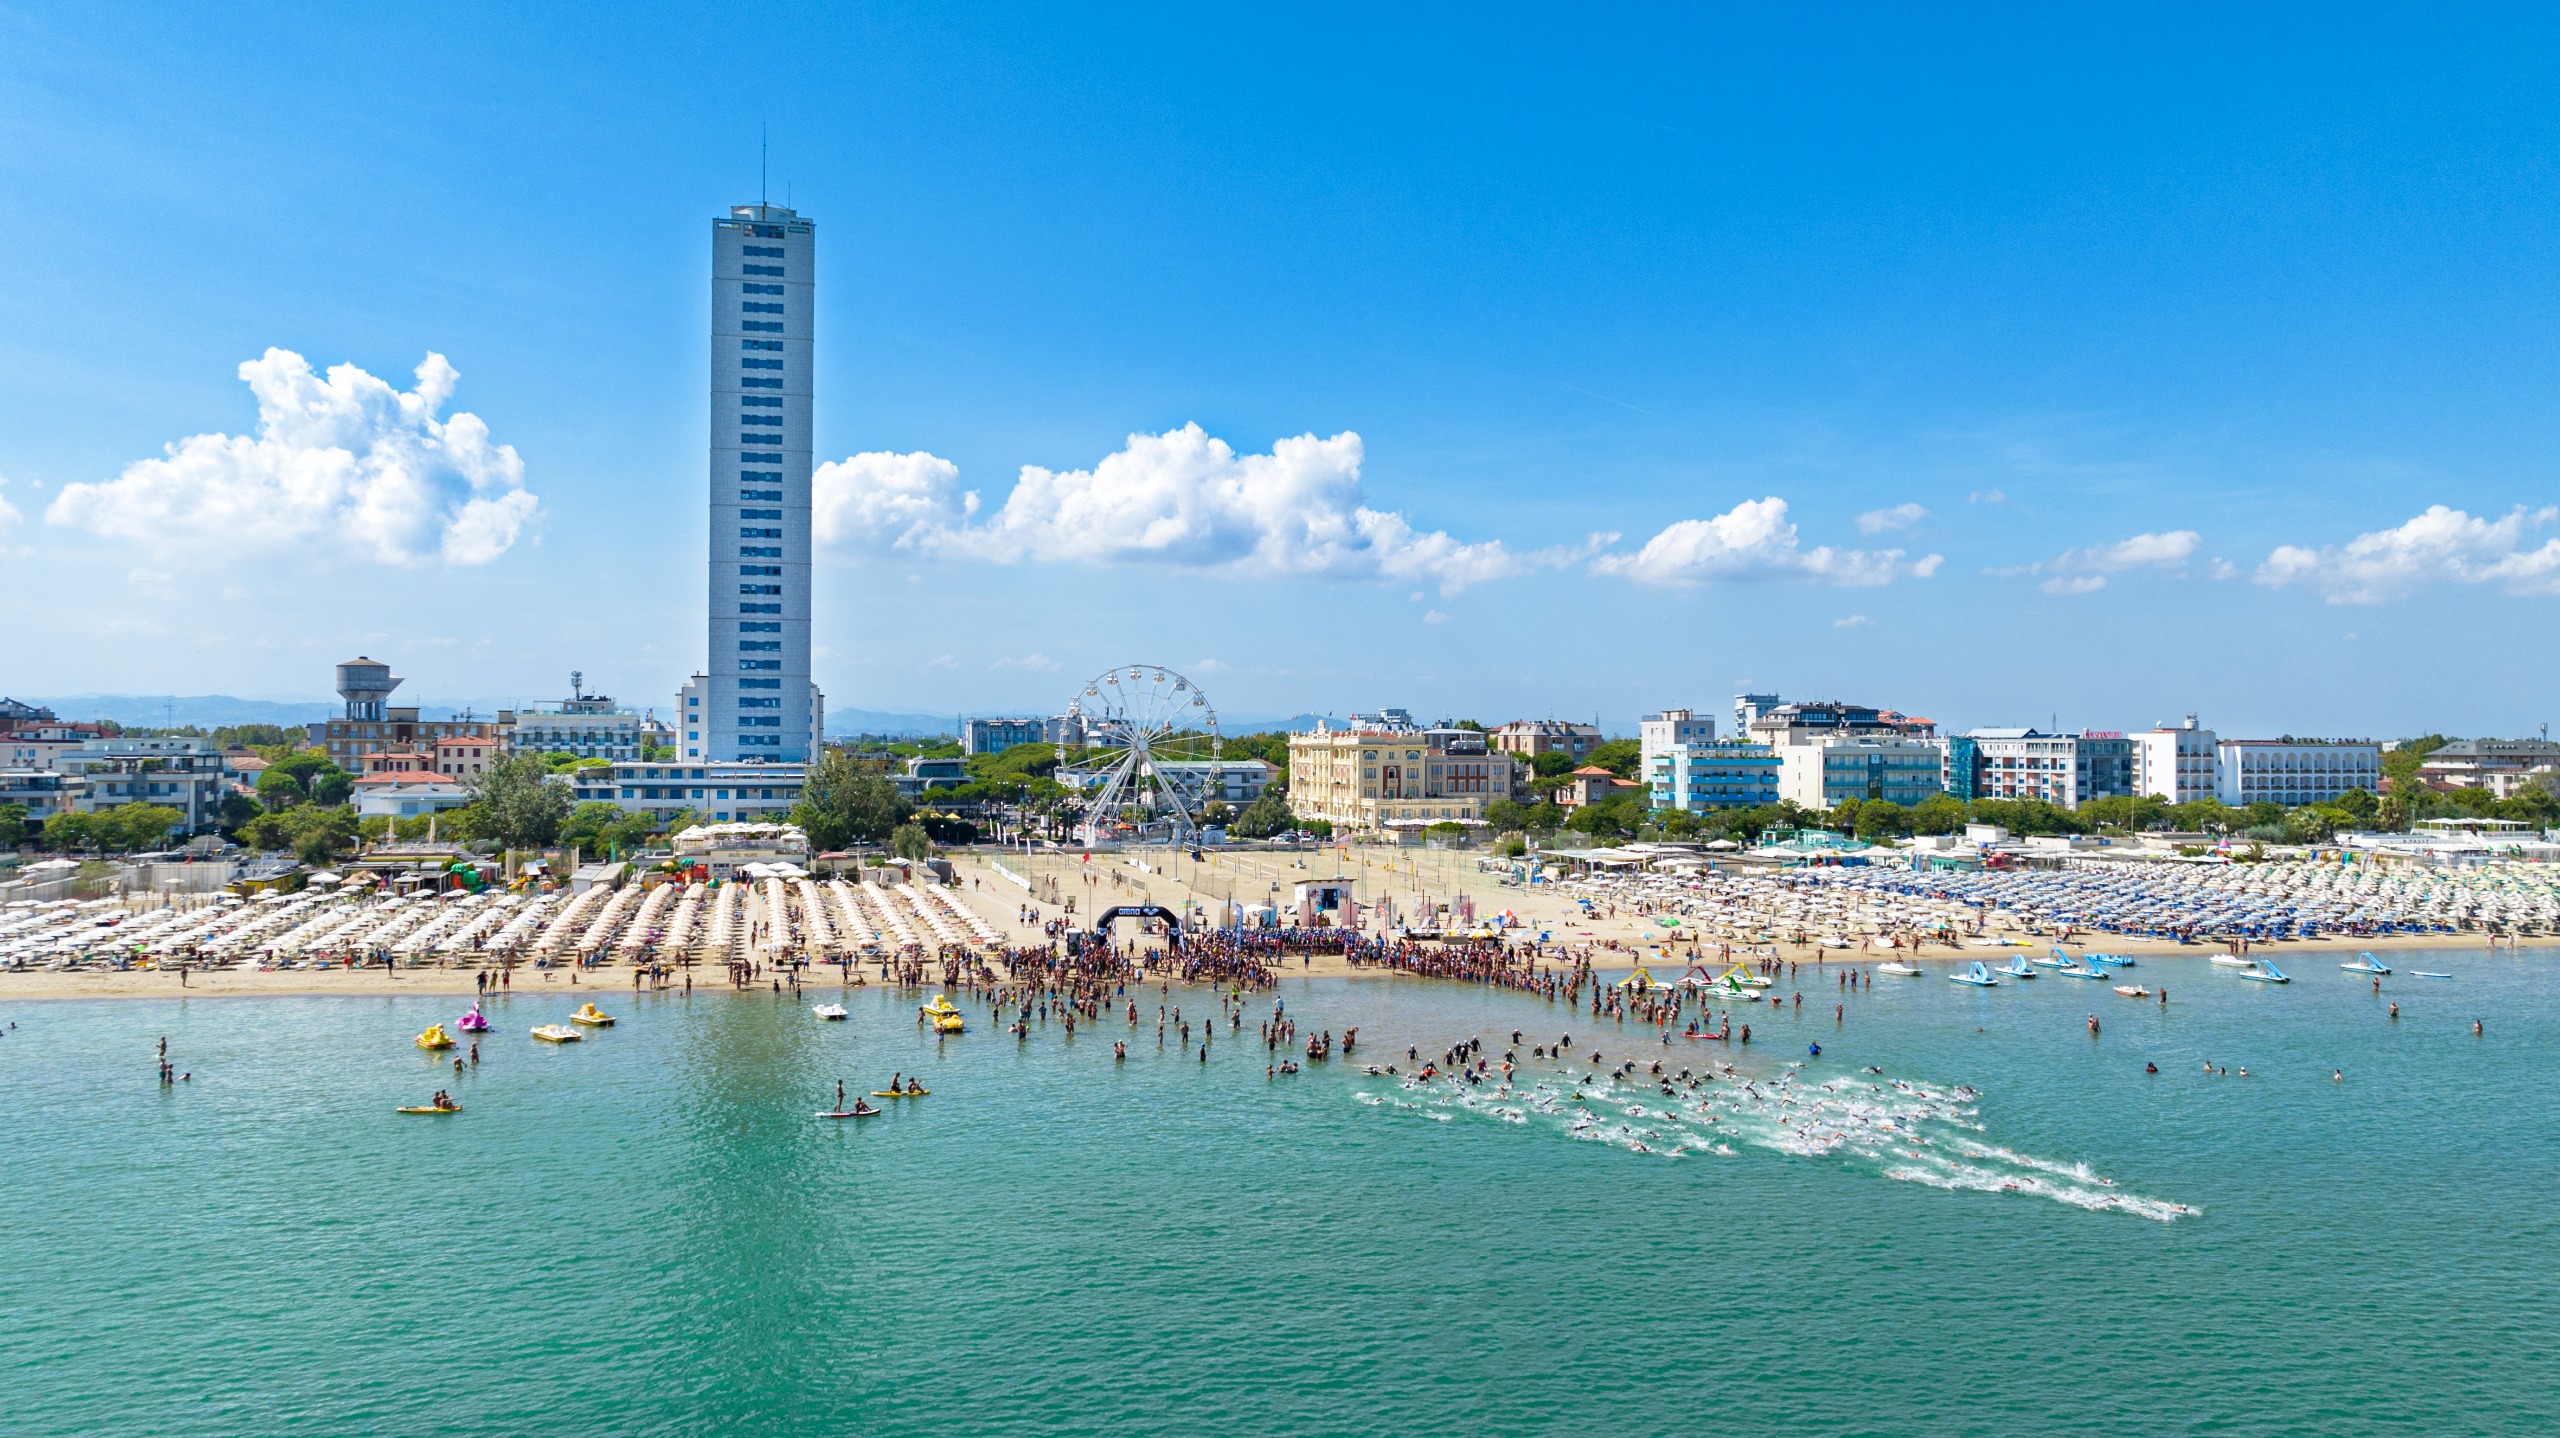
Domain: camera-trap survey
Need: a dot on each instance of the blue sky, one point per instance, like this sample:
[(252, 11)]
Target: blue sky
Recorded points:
[(2103, 366)]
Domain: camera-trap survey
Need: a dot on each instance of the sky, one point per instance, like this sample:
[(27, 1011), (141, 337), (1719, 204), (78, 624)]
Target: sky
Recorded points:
[(2010, 367)]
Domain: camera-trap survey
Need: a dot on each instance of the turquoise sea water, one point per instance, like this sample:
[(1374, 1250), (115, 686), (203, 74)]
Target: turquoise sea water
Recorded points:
[(648, 1232)]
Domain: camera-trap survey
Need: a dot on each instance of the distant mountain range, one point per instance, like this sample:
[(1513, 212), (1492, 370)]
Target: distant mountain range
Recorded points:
[(209, 711), (157, 711), (213, 711)]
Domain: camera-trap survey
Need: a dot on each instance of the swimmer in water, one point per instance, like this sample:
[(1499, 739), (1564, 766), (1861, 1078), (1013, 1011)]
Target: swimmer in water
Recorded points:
[(2475, 1028), (2337, 1075), (2151, 1068)]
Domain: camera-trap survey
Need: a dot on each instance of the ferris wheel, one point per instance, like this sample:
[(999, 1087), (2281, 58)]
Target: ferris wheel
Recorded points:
[(1130, 736)]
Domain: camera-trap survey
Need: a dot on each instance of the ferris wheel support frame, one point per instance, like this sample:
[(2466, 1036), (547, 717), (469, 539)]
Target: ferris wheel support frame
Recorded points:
[(1137, 719)]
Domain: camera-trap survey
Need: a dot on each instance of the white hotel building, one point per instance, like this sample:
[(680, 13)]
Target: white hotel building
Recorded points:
[(2292, 772), (2188, 763)]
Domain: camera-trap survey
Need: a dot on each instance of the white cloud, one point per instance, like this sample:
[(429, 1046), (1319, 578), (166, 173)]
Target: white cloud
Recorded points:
[(8, 514), (346, 467), (2440, 546), (1034, 661), (1434, 616), (1854, 621), (1182, 500), (1986, 496), (2085, 571), (1881, 521), (881, 500), (153, 584), (1753, 540)]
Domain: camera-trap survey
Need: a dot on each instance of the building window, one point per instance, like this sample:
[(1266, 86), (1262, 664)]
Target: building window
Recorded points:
[(759, 589), (759, 344), (772, 569), (773, 270), (759, 514), (768, 326), (753, 308), (752, 382), (761, 551), (763, 290), (773, 495), (759, 609), (759, 663)]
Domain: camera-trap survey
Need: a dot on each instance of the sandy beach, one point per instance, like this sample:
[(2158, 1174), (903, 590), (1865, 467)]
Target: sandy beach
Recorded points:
[(1415, 879)]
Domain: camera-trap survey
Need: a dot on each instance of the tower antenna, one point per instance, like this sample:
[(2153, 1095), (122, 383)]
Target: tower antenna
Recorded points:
[(764, 143)]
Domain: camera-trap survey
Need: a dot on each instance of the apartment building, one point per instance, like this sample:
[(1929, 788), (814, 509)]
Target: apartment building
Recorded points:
[(1530, 738)]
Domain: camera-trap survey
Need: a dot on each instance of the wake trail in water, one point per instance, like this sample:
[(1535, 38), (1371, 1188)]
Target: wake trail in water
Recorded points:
[(1909, 1132)]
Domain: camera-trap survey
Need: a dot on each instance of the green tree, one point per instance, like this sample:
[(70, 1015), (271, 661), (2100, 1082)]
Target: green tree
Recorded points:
[(845, 802), (13, 825), (2205, 816), (909, 841), (331, 786), (1882, 819), (1619, 757), (286, 829), (592, 826), (517, 804), (1610, 819), (235, 810), (1939, 814), (321, 844), (2400, 766), (280, 788), (120, 830), (1552, 765), (1267, 815)]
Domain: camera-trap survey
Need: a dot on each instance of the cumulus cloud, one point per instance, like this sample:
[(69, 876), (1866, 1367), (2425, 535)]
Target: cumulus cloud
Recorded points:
[(2442, 545), (1884, 521), (1854, 621), (8, 513), (1986, 496), (1754, 540), (346, 466), (881, 500), (1181, 500), (2085, 571)]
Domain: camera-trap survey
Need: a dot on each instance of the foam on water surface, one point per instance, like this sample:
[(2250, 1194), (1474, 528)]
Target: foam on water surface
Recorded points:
[(1907, 1131)]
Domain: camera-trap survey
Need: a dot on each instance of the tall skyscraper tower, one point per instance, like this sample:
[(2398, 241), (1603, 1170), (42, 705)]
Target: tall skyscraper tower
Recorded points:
[(757, 701)]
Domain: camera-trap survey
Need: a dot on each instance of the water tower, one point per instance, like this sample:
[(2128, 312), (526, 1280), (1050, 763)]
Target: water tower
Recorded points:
[(364, 684)]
